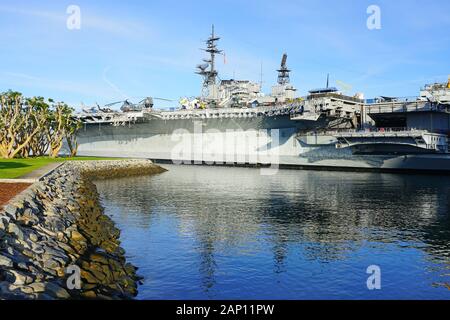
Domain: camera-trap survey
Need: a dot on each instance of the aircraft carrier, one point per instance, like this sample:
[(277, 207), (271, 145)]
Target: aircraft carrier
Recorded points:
[(234, 123)]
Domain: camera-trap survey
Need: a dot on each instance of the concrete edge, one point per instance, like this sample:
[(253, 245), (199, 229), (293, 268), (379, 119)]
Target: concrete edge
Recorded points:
[(17, 180), (50, 171), (31, 180)]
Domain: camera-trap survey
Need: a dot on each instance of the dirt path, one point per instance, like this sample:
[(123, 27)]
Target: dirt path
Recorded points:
[(10, 190)]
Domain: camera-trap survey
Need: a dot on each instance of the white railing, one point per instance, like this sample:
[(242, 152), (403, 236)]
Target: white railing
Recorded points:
[(415, 106), (229, 112), (356, 132)]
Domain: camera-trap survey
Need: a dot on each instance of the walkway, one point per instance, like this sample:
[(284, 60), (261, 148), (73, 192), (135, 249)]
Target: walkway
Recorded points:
[(38, 173), (9, 188)]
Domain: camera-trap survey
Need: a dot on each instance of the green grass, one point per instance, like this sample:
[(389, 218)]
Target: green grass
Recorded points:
[(15, 168)]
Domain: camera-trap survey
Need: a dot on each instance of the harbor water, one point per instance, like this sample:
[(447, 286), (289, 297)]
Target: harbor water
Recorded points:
[(203, 232)]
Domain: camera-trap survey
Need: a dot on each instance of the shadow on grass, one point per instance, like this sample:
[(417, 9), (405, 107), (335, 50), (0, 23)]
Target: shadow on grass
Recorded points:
[(13, 165)]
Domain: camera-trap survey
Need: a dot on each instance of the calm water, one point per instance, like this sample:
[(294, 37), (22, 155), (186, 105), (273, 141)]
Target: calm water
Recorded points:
[(231, 233)]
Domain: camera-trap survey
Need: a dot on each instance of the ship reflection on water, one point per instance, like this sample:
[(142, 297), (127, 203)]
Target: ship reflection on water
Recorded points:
[(230, 233)]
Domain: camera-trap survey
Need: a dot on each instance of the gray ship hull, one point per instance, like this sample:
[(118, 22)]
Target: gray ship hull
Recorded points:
[(263, 141)]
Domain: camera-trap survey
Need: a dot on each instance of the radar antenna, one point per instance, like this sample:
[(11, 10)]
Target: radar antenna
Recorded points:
[(283, 72)]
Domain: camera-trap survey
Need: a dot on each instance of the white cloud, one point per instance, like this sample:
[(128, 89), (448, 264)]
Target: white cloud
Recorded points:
[(21, 80), (89, 20)]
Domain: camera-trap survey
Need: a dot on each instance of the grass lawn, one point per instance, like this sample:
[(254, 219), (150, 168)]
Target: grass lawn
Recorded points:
[(15, 168)]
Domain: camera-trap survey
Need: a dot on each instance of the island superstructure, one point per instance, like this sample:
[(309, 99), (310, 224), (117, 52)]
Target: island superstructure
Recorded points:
[(234, 123)]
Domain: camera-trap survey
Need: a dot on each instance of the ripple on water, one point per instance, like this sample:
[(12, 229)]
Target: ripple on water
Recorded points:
[(230, 233)]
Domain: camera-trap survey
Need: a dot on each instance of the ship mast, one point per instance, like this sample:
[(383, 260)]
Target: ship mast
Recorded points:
[(283, 72), (209, 76)]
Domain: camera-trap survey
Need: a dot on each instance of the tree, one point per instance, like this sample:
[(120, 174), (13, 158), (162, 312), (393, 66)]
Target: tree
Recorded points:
[(39, 144), (18, 125), (72, 127), (62, 125), (35, 126)]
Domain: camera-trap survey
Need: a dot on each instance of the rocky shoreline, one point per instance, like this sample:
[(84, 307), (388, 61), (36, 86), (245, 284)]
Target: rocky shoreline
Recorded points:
[(57, 243)]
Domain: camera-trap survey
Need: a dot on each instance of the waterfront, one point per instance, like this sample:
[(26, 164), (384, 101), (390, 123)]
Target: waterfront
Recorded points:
[(57, 243), (231, 233)]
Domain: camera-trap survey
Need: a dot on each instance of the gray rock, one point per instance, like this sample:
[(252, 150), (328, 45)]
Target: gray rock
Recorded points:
[(38, 249), (35, 287), (34, 237), (50, 265), (5, 261), (4, 220), (28, 217), (55, 223), (23, 266), (14, 229), (11, 211), (21, 278), (57, 291)]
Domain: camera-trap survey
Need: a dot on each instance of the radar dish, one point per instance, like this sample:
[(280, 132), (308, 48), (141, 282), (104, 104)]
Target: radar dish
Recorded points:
[(203, 66)]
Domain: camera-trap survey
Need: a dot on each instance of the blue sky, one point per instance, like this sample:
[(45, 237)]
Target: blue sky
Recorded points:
[(137, 48)]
